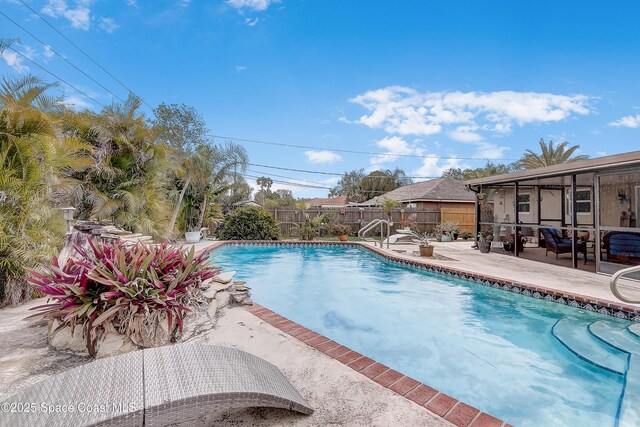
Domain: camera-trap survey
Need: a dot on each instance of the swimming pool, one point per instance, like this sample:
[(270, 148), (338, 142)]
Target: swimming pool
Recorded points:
[(515, 357)]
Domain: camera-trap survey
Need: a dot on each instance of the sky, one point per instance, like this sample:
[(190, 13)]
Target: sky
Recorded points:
[(419, 85)]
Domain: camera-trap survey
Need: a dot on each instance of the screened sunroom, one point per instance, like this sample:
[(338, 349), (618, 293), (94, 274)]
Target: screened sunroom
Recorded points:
[(581, 214)]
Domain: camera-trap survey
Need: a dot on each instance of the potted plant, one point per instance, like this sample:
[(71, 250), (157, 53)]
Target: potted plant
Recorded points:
[(484, 242), (445, 230), (508, 245), (340, 230), (193, 236), (425, 248)]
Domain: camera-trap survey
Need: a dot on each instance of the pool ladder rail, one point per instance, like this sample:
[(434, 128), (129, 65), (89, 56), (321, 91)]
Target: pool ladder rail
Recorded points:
[(614, 283), (373, 224)]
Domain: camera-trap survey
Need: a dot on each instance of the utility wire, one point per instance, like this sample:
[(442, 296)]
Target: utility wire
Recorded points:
[(335, 173), (309, 186), (288, 177), (288, 183), (336, 150), (84, 53), (47, 46), (56, 77)]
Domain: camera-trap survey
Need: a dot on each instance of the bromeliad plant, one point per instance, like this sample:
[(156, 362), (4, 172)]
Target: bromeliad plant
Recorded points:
[(129, 289)]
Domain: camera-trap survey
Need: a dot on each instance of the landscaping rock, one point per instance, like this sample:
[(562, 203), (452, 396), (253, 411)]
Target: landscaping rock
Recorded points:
[(223, 298), (64, 340), (114, 344), (225, 277), (213, 309)]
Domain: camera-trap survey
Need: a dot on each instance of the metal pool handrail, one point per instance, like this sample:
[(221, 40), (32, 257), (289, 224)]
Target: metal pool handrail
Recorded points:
[(371, 225), (614, 285)]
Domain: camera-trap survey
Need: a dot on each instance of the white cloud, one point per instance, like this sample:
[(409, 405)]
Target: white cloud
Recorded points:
[(257, 5), (47, 52), (627, 121), (108, 25), (132, 3), (14, 61), (184, 3), (394, 147), (434, 166), (77, 102), (405, 111), (322, 156), (241, 68), (79, 17), (251, 22)]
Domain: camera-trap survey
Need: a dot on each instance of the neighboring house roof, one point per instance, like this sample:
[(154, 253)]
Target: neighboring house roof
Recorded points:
[(331, 201), (577, 167), (435, 190)]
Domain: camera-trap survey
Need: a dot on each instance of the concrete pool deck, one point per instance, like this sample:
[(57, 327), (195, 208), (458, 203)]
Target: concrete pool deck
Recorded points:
[(510, 268), (340, 395)]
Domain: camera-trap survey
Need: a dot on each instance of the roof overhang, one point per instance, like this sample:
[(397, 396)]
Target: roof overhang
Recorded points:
[(617, 161)]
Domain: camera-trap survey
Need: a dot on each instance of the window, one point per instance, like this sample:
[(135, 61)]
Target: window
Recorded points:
[(524, 203), (412, 205), (583, 201)]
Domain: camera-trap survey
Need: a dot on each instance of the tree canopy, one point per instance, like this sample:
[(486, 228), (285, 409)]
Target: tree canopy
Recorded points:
[(550, 155), (360, 187), (489, 169)]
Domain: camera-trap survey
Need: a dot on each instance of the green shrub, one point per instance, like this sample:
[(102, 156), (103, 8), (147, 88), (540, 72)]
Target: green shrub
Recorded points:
[(248, 223)]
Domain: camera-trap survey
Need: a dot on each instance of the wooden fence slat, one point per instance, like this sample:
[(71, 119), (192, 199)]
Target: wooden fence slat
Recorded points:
[(465, 217), (288, 219)]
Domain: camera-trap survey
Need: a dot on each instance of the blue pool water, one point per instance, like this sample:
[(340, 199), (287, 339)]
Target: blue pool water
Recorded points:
[(486, 347)]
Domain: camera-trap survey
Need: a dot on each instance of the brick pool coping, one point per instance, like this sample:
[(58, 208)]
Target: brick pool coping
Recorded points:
[(452, 410)]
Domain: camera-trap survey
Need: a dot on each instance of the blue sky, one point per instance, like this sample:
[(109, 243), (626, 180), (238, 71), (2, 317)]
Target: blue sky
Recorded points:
[(450, 83)]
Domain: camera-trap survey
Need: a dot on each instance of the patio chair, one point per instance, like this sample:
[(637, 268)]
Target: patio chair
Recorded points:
[(154, 387), (555, 242), (622, 247)]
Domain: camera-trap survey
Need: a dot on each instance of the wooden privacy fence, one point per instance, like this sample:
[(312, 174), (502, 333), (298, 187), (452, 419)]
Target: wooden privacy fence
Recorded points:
[(465, 217), (287, 219)]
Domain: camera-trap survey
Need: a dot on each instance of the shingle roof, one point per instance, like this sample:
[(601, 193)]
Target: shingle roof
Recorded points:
[(433, 190), (579, 166), (331, 201)]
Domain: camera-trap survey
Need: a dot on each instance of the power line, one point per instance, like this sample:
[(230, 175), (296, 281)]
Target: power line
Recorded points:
[(47, 46), (336, 150), (288, 177), (289, 183), (335, 173), (84, 53), (308, 186), (55, 76)]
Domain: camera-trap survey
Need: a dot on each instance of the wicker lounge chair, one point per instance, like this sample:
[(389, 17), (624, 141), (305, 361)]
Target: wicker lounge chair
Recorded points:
[(554, 242), (154, 387)]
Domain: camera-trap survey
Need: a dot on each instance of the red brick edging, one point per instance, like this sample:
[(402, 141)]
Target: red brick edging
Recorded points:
[(452, 410)]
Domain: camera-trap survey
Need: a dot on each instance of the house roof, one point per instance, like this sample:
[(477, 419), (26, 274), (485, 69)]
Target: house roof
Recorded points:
[(441, 189), (580, 166), (331, 201)]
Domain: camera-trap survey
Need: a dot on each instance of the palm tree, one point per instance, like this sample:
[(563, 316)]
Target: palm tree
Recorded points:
[(207, 171), (550, 155), (31, 159), (127, 180)]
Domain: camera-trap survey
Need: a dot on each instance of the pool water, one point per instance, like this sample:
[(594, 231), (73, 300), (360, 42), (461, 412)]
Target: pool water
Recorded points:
[(486, 347)]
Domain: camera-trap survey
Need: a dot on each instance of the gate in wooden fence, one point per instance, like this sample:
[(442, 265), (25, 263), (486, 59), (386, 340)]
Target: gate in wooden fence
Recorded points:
[(288, 219), (465, 217)]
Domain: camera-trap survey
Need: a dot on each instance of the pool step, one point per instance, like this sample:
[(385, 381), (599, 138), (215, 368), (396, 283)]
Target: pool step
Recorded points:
[(635, 329), (629, 410), (574, 335), (616, 335)]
